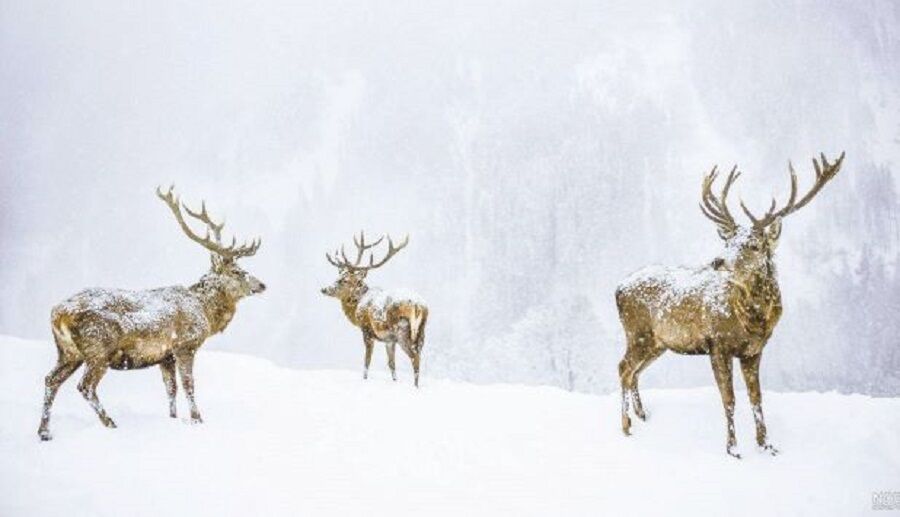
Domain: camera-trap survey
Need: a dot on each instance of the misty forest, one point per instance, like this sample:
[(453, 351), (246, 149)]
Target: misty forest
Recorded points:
[(528, 160), (535, 155)]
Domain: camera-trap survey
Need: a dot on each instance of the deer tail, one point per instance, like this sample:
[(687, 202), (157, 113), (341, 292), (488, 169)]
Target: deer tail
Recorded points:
[(61, 323), (417, 318)]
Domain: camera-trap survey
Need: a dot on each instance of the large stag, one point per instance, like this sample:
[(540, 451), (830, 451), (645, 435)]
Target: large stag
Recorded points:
[(392, 317), (726, 310), (124, 330)]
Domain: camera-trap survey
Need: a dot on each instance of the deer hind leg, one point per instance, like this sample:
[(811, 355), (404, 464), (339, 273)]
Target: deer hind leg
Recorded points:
[(391, 349), (412, 350), (185, 363), (416, 361), (370, 345), (88, 388), (651, 355), (167, 366), (417, 348), (64, 369), (750, 369), (626, 370), (627, 366), (722, 370)]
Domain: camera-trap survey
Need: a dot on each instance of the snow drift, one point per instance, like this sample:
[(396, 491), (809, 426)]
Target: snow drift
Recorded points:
[(284, 442)]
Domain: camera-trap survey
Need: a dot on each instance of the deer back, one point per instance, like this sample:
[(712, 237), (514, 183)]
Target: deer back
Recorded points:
[(132, 328)]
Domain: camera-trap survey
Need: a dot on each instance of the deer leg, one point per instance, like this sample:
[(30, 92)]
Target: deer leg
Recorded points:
[(627, 366), (57, 376), (391, 348), (415, 357), (412, 350), (635, 394), (185, 363), (722, 370), (168, 374), (419, 345), (88, 388), (370, 344), (750, 369)]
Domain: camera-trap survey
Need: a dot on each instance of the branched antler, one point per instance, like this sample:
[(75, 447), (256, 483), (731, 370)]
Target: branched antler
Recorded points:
[(716, 207), (341, 261), (213, 239), (824, 172)]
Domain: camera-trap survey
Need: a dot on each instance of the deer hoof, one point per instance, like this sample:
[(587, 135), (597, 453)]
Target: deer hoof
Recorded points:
[(45, 435), (766, 447), (730, 451), (108, 422)]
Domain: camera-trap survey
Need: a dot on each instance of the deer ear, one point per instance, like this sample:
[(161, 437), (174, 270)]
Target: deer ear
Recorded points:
[(725, 233), (773, 232)]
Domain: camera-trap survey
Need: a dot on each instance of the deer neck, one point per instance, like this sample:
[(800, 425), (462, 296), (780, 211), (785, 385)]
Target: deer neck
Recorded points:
[(760, 276), (759, 296), (350, 303), (218, 305)]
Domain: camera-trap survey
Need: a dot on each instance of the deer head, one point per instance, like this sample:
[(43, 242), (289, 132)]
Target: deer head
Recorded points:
[(234, 280), (750, 246), (351, 275)]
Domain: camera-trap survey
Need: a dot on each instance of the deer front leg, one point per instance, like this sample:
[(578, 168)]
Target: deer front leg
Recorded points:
[(168, 375), (750, 369), (185, 363), (722, 369), (370, 344), (88, 388), (391, 349)]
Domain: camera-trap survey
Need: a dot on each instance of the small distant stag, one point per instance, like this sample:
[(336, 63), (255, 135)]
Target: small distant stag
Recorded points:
[(388, 316), (725, 310), (125, 330)]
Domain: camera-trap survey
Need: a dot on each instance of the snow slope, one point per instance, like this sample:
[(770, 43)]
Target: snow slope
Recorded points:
[(284, 442)]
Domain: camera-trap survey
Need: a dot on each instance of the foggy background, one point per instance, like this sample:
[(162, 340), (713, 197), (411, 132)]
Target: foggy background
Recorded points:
[(536, 153)]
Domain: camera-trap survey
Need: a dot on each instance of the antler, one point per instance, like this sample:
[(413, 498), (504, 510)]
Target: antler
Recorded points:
[(341, 261), (824, 172), (716, 208), (213, 239)]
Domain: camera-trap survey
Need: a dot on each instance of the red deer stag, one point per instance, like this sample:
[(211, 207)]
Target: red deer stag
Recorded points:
[(725, 310), (395, 316), (124, 330)]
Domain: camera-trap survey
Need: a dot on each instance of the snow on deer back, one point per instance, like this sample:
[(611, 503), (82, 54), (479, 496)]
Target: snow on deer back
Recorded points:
[(670, 295), (392, 316), (384, 310), (122, 330), (726, 309), (145, 324)]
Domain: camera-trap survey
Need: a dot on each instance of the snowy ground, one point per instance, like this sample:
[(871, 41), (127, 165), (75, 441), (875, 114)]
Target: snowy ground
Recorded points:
[(283, 442)]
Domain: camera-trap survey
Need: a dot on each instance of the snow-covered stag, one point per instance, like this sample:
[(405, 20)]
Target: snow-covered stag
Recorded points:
[(123, 330), (395, 316), (726, 309)]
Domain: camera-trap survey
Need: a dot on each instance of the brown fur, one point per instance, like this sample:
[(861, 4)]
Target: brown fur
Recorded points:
[(125, 330), (727, 309), (380, 318), (401, 321)]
